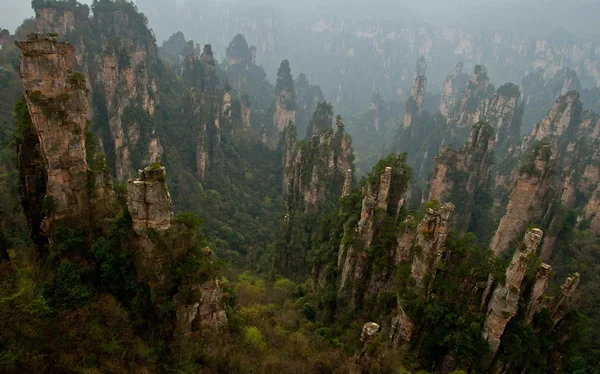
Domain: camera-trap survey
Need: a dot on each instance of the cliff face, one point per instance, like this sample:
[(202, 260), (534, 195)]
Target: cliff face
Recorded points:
[(124, 58), (477, 90), (505, 299), (529, 200), (383, 196), (308, 97), (414, 105), (503, 111), (130, 91), (459, 173), (149, 201), (317, 168), (285, 98), (57, 101), (452, 90), (562, 117)]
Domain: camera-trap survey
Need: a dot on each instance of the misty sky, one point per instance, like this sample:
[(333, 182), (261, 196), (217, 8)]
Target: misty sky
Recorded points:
[(578, 17), (15, 11)]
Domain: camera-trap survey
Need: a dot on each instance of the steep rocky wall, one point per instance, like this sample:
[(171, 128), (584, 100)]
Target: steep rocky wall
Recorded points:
[(563, 116), (149, 201), (458, 173), (529, 199), (357, 281), (57, 101), (415, 103), (477, 90), (431, 239), (316, 169), (452, 90), (505, 299)]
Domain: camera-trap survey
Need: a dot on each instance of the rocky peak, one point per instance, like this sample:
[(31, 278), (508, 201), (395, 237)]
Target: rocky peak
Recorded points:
[(285, 97), (458, 174), (558, 306), (452, 90), (149, 201), (308, 96), (383, 193), (238, 51), (477, 90), (415, 103), (431, 239), (321, 120), (503, 111), (536, 301), (505, 298), (421, 67), (210, 80), (57, 100), (564, 115), (528, 201), (315, 169)]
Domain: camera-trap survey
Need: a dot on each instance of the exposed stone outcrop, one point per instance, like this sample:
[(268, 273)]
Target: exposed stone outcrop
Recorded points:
[(347, 183), (53, 20), (459, 173), (529, 200), (246, 112), (149, 201), (563, 116), (536, 300), (57, 100), (382, 199), (130, 89), (452, 90), (477, 90), (308, 96), (428, 247), (285, 98), (316, 169), (207, 313), (559, 305), (503, 111), (415, 103), (505, 299), (592, 211), (431, 241)]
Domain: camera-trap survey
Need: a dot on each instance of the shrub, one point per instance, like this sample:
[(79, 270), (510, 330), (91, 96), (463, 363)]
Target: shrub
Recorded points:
[(254, 339)]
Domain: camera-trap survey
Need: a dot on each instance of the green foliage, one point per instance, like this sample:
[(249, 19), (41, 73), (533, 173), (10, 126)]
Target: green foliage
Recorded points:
[(255, 339), (77, 80), (49, 204)]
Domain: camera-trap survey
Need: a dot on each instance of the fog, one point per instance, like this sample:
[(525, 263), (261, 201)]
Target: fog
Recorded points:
[(536, 17)]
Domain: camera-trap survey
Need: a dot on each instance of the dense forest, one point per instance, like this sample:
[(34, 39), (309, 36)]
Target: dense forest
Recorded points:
[(172, 207)]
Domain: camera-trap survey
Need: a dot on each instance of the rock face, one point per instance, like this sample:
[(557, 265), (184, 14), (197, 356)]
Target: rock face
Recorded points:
[(503, 111), (382, 199), (57, 100), (452, 90), (458, 174), (122, 81), (431, 239), (308, 97), (315, 169), (285, 97), (528, 201), (536, 302), (558, 306), (505, 299), (149, 201), (559, 120), (477, 90), (415, 103)]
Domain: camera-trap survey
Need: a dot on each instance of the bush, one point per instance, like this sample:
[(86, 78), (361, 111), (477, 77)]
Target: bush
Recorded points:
[(254, 339)]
